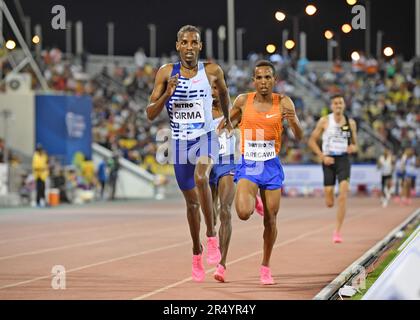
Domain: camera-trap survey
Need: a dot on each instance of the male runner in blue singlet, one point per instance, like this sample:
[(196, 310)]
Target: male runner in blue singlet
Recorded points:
[(184, 88)]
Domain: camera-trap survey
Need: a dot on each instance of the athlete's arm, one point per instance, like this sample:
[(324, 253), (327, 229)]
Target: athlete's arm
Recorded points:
[(313, 140), (379, 163), (216, 73), (236, 111), (162, 91), (289, 113), (352, 148)]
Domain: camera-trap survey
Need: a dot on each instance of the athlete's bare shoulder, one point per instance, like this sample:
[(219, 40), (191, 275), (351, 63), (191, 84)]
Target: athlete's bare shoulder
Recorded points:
[(352, 122), (322, 123), (166, 69), (212, 68), (240, 101), (323, 119), (286, 101)]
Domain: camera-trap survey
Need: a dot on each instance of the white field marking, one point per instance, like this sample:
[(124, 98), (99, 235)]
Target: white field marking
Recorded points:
[(248, 256), (45, 235), (138, 254), (80, 244), (99, 263)]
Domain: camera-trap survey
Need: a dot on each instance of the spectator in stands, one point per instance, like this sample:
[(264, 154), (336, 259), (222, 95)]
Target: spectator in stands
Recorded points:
[(140, 58), (114, 167), (40, 171), (302, 66), (102, 177), (88, 174), (416, 68), (1, 150), (58, 181)]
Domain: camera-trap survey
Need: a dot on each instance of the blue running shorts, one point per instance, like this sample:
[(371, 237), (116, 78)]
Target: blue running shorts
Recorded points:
[(224, 167), (268, 175), (185, 154)]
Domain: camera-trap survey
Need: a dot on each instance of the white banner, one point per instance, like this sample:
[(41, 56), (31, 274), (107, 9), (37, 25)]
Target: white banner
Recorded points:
[(311, 177), (21, 125), (3, 179)]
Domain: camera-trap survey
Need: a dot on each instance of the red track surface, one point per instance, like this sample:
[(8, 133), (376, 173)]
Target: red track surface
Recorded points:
[(127, 250)]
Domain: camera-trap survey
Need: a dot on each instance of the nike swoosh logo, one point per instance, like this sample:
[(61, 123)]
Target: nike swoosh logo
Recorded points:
[(268, 116), (196, 81)]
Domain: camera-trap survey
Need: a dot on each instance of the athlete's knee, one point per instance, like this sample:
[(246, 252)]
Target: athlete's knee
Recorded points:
[(225, 215), (225, 208), (342, 198), (201, 179), (243, 210), (193, 206), (329, 203), (270, 221)]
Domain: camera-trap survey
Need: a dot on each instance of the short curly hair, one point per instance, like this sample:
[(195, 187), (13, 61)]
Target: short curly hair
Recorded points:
[(188, 28)]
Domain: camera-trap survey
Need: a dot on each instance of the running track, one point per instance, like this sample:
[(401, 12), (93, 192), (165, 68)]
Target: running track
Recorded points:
[(142, 250)]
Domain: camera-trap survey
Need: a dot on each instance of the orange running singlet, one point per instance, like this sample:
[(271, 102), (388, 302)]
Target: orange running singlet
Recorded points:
[(261, 131)]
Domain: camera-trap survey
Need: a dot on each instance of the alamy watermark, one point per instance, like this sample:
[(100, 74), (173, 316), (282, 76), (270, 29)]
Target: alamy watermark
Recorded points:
[(256, 150), (58, 281), (359, 20), (359, 281), (58, 22)]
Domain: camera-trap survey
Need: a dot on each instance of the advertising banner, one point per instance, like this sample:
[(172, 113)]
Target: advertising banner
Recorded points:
[(63, 125)]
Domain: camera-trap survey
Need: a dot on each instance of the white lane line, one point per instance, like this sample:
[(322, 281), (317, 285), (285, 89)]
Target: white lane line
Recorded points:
[(141, 253), (83, 244), (281, 244), (100, 263), (45, 235)]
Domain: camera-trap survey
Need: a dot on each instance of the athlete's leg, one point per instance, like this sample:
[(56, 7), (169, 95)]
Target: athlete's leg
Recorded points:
[(215, 197), (271, 201), (193, 216), (383, 186), (388, 188), (407, 190), (329, 196), (246, 192), (201, 178), (342, 203), (329, 184), (226, 194)]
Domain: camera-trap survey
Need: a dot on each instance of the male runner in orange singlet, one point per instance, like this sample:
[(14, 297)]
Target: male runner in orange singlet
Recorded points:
[(260, 115)]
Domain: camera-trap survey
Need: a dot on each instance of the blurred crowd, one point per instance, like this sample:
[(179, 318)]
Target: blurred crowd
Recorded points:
[(379, 93), (77, 183)]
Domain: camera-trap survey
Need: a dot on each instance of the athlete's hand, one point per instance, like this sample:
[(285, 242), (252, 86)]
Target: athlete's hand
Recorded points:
[(221, 127), (171, 86), (289, 114), (229, 128), (351, 149), (328, 161)]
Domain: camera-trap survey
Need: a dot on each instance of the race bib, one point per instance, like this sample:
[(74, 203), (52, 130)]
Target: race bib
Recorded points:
[(337, 145), (259, 150), (184, 112)]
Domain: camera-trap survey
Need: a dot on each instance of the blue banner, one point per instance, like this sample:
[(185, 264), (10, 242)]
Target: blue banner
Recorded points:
[(63, 125)]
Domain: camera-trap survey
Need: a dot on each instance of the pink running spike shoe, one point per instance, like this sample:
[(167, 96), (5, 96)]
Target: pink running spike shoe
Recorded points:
[(337, 237), (259, 207), (213, 251), (219, 275), (265, 276), (198, 273)]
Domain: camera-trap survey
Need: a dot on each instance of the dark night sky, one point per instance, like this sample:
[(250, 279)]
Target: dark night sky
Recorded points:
[(395, 18)]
